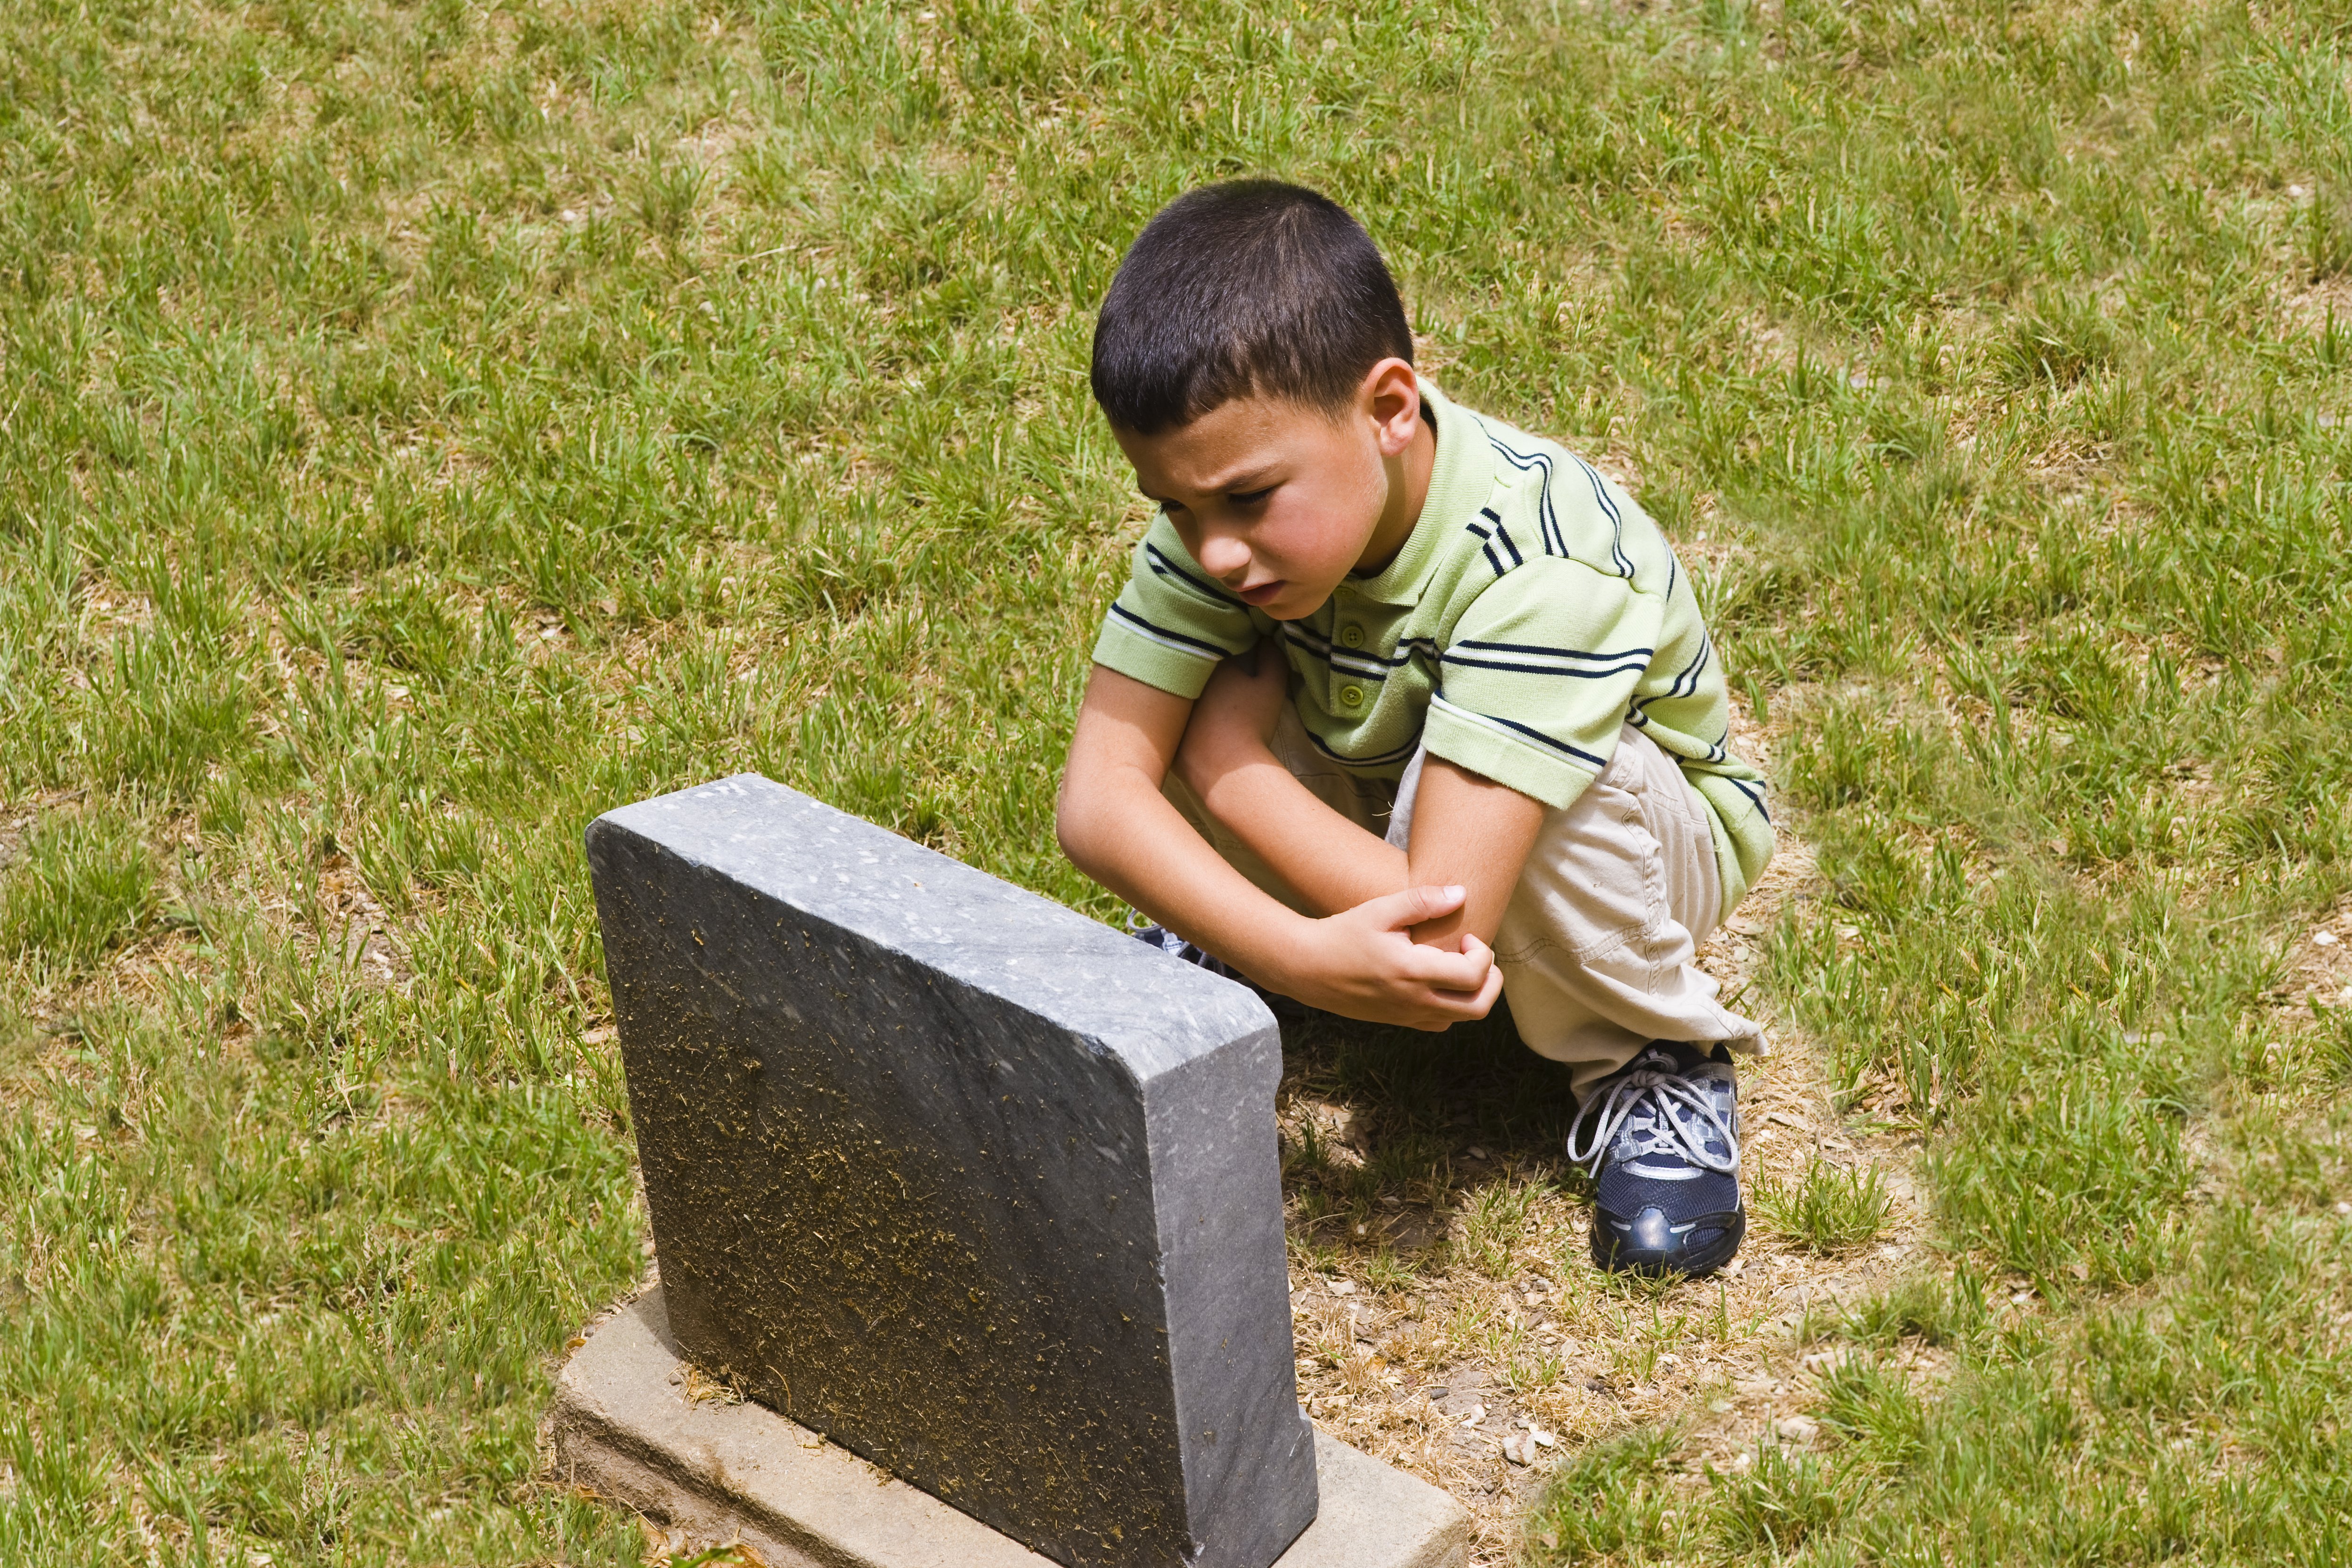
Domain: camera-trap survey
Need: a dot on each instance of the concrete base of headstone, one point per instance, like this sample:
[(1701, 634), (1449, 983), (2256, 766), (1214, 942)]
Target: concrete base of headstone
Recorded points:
[(718, 1473)]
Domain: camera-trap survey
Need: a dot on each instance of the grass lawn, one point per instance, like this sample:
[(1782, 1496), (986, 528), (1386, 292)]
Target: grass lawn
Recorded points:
[(423, 426)]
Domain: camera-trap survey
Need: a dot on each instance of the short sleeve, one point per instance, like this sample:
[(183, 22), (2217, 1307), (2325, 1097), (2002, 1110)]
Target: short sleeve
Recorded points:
[(1535, 682), (1171, 623)]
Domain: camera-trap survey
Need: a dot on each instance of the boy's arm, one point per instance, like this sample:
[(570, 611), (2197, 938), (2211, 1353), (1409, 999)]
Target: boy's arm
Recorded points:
[(1331, 862), (1119, 829), (1467, 830)]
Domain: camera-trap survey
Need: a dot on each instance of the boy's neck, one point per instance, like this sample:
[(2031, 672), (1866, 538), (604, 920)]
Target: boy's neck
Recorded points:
[(1409, 473)]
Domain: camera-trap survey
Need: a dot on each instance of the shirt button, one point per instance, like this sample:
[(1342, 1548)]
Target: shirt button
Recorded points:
[(1352, 635), (1351, 696)]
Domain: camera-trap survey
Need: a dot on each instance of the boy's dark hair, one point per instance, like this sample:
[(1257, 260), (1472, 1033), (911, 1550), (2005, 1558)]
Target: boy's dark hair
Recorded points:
[(1251, 288)]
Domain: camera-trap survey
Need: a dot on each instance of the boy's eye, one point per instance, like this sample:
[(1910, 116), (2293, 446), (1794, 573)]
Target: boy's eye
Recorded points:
[(1249, 497)]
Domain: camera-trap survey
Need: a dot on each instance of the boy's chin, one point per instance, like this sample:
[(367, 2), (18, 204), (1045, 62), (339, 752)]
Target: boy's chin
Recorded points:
[(1294, 604)]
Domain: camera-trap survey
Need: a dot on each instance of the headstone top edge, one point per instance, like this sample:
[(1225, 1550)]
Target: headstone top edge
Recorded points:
[(1152, 1010)]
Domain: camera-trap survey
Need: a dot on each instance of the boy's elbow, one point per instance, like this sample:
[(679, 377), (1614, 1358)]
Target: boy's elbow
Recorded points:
[(1096, 813), (1073, 822)]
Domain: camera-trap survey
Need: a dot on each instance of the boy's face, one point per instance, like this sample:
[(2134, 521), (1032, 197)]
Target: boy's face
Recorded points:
[(1279, 500)]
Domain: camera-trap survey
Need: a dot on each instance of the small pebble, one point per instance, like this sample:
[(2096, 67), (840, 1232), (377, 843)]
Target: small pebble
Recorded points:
[(1343, 1286), (1475, 1152), (2325, 939), (1796, 1428)]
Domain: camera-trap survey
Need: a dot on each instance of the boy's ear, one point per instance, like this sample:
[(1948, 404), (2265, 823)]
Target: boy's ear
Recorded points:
[(1392, 400)]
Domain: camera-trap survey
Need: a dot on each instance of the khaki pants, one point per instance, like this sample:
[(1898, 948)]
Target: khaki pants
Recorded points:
[(1597, 946)]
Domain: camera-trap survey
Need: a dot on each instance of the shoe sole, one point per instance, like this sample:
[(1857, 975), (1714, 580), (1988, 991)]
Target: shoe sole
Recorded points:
[(1610, 1255)]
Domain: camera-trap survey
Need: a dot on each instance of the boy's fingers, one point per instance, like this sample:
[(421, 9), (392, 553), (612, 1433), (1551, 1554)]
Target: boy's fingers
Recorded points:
[(1473, 1001), (1450, 1007), (1492, 992), (1397, 911), (1462, 985), (1443, 970), (1481, 1003)]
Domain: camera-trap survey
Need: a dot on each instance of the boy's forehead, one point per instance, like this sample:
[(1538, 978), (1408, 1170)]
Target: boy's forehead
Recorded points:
[(1229, 444)]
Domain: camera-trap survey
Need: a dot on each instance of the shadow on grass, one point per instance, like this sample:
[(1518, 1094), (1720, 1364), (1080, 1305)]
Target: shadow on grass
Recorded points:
[(1479, 1080), (1389, 1134)]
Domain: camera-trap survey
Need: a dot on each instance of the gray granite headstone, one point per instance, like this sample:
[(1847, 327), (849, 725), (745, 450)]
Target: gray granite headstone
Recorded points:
[(979, 1188)]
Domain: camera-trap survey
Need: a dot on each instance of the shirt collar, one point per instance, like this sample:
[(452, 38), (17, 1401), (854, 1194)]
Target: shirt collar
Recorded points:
[(1459, 483)]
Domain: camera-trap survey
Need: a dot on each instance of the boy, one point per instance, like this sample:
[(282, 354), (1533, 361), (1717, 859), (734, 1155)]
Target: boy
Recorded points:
[(1401, 709)]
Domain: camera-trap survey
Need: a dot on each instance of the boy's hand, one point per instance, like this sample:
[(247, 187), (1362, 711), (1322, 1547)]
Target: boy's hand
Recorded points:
[(1233, 721), (1363, 963)]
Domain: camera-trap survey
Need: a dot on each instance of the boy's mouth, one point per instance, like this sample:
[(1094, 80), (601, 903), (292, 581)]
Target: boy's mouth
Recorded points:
[(1263, 594)]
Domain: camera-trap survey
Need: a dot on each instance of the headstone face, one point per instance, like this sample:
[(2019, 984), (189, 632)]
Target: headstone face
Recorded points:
[(981, 1189)]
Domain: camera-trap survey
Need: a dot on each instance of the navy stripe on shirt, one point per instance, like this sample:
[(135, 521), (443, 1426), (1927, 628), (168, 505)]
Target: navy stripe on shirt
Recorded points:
[(1384, 760), (1603, 673), (1555, 652), (1209, 649), (1755, 797), (1366, 666), (1580, 755), (1321, 646), (1616, 522), (1555, 542)]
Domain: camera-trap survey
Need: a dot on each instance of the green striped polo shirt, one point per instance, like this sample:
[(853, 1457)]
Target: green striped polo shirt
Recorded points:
[(1534, 610)]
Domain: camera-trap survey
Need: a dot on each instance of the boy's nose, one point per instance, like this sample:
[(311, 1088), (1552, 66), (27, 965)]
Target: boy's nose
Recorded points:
[(1225, 557)]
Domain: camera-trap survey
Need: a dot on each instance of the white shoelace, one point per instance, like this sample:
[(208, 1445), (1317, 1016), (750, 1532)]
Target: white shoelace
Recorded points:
[(1667, 1094)]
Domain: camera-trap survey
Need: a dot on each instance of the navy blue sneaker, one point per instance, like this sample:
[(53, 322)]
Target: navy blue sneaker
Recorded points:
[(1175, 946), (1663, 1156)]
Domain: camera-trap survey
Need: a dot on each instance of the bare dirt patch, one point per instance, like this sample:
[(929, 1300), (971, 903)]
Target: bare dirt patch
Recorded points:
[(2317, 972)]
